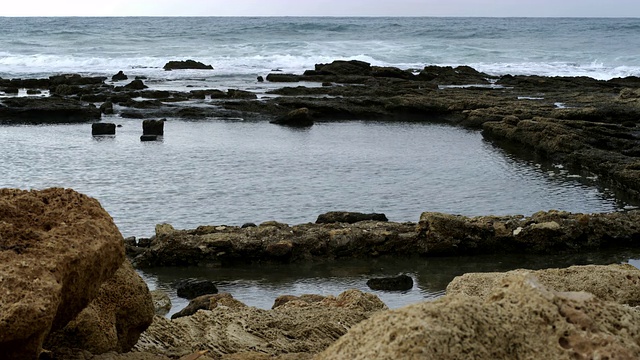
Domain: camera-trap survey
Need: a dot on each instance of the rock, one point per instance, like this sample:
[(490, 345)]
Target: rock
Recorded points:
[(106, 108), (46, 110), (447, 75), (57, 247), (33, 92), (240, 94), (161, 302), (12, 91), (164, 229), (342, 67), (192, 288), (187, 64), (209, 302), (235, 329), (103, 129), (248, 225), (297, 118), (148, 137), (260, 79), (119, 76), (136, 85), (283, 77), (396, 283), (521, 318), (75, 79), (348, 217), (306, 298), (153, 127), (617, 283), (114, 320)]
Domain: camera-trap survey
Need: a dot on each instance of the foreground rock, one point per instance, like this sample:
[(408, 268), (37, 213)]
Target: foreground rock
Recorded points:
[(295, 327), (436, 234), (57, 247), (617, 283), (520, 318), (114, 320)]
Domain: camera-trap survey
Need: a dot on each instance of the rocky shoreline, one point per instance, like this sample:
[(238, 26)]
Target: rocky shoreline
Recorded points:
[(72, 294)]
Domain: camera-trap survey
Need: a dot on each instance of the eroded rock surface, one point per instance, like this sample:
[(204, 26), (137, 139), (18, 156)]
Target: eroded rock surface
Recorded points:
[(57, 247), (292, 328), (520, 318)]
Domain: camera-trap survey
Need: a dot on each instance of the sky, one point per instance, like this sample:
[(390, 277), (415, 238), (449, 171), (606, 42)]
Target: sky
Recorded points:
[(500, 8)]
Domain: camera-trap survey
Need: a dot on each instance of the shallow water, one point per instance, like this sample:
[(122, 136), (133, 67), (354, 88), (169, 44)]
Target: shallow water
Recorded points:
[(231, 172), (259, 285)]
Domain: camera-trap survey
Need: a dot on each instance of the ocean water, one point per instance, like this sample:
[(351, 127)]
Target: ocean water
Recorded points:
[(243, 48)]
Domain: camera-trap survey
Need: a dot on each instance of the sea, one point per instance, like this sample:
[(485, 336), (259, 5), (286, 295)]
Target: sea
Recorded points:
[(234, 171)]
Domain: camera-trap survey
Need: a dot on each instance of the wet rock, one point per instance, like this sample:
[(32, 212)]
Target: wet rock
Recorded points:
[(103, 129), (617, 282), (447, 75), (161, 302), (342, 67), (192, 288), (520, 313), (114, 320), (396, 283), (76, 79), (348, 217), (46, 110), (296, 118), (153, 127), (247, 225), (149, 137), (11, 91), (187, 64), (283, 77), (120, 76), (82, 247), (260, 79), (106, 108), (239, 329), (136, 85), (33, 92)]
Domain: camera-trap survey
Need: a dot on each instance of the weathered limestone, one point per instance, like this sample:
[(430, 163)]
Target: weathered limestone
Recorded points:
[(114, 320), (519, 319), (57, 247), (293, 328), (618, 283)]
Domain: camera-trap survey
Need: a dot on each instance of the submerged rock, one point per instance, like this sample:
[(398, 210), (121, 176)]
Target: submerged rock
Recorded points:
[(397, 283), (520, 318)]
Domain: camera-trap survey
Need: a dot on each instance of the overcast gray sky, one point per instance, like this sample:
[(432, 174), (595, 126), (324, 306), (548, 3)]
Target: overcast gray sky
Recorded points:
[(553, 8)]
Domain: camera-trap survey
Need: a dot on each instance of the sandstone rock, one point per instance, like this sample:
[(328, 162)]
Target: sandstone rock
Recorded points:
[(209, 302), (187, 64), (161, 302), (57, 247), (397, 283), (305, 298), (230, 330), (519, 319), (114, 320), (618, 283), (348, 217)]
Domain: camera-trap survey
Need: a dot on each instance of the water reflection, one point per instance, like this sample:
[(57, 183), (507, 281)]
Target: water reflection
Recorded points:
[(259, 285)]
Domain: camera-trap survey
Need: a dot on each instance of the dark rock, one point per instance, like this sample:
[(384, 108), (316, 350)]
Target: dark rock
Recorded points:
[(153, 127), (241, 94), (75, 79), (326, 84), (348, 217), (33, 92), (188, 64), (283, 77), (397, 283), (260, 79), (136, 85), (447, 75), (119, 76), (103, 129), (46, 110), (342, 67), (106, 107), (140, 77), (391, 72), (247, 225), (297, 118), (65, 90), (192, 288), (132, 114), (148, 137), (11, 90)]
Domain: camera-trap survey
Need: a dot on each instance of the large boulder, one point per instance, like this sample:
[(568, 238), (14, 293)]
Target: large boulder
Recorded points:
[(521, 319), (114, 320), (617, 282), (229, 328), (57, 247)]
